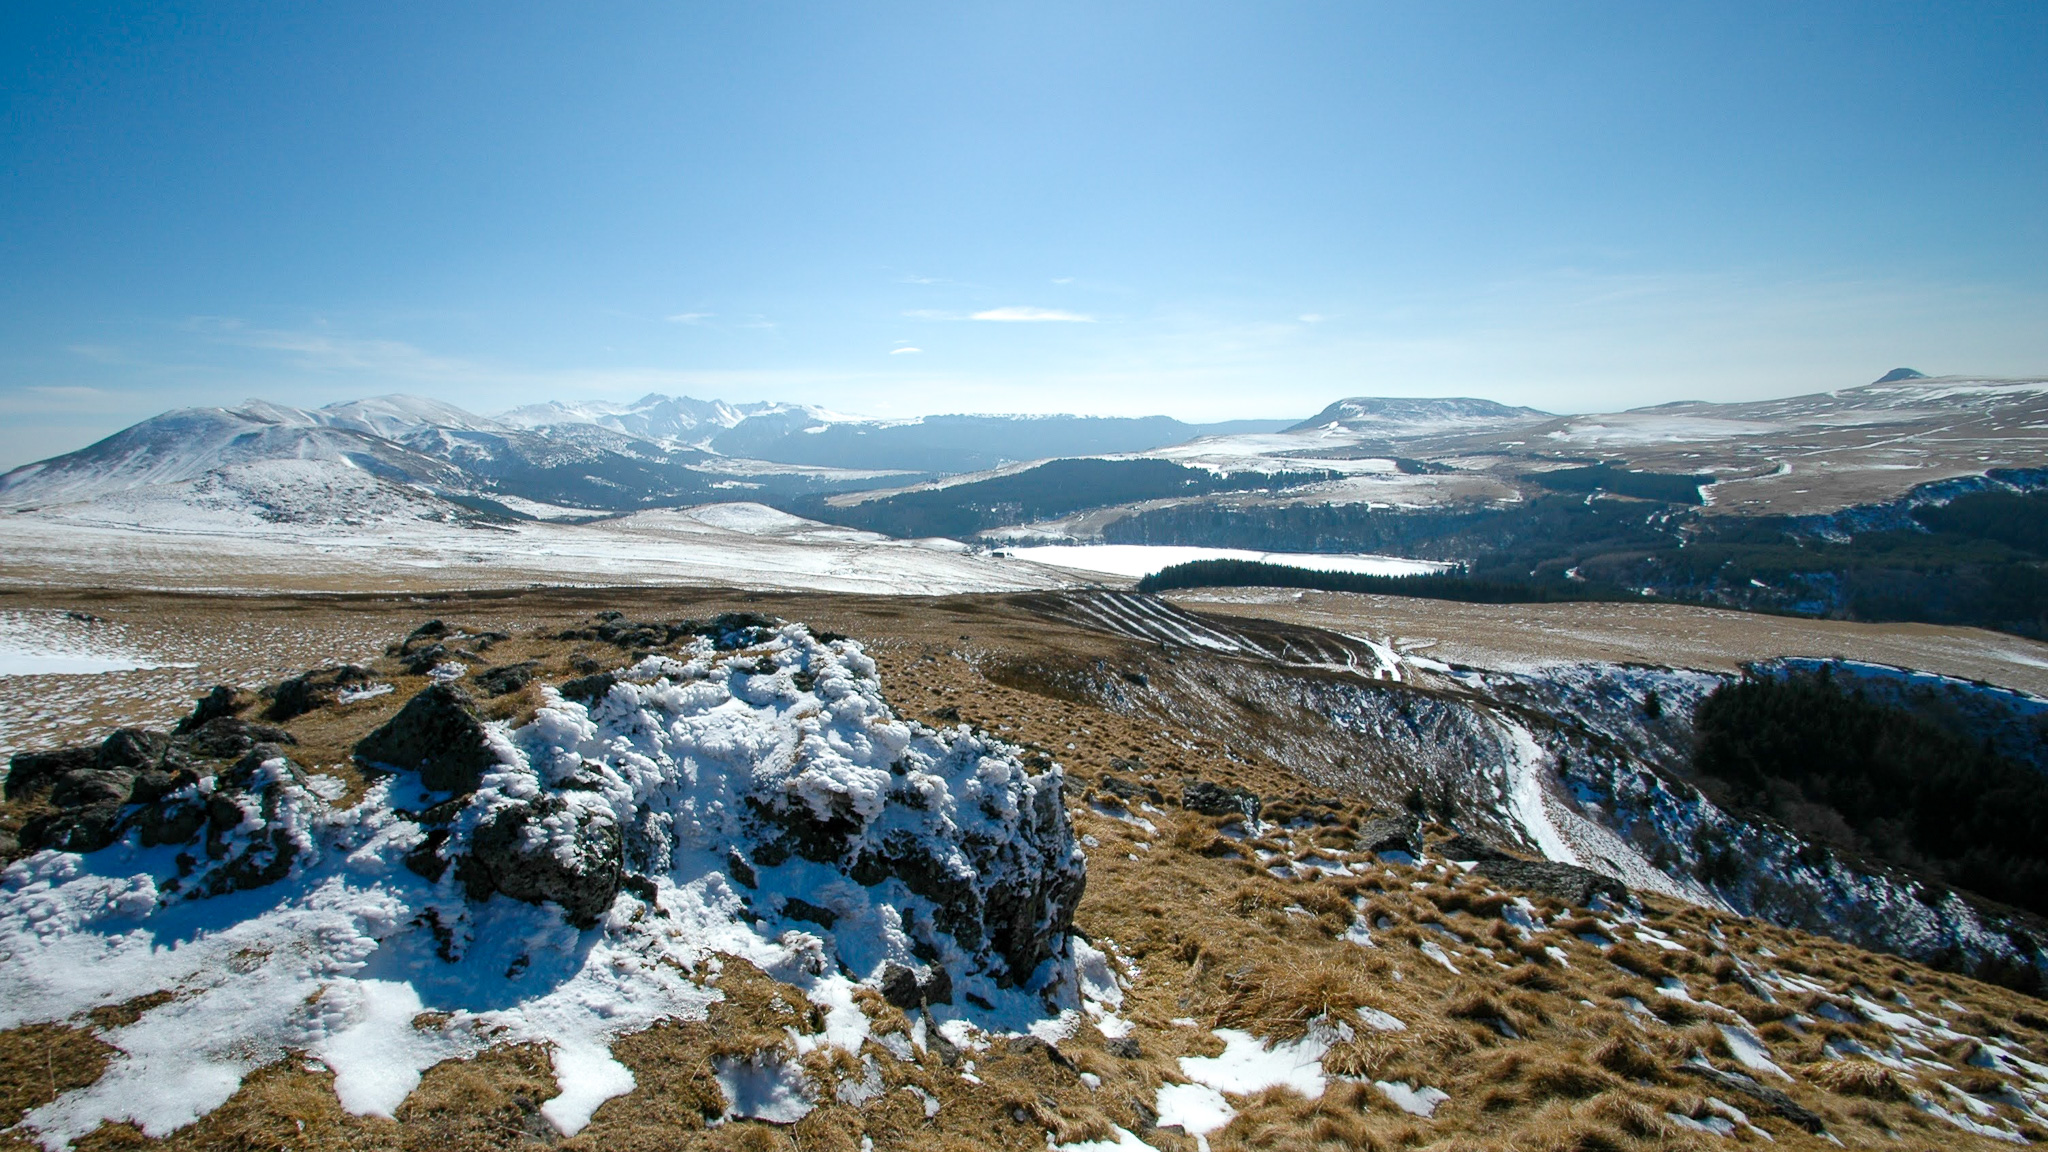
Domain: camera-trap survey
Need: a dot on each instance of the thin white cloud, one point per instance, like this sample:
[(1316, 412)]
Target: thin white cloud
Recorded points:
[(1312, 317), (904, 351), (1024, 313), (690, 317)]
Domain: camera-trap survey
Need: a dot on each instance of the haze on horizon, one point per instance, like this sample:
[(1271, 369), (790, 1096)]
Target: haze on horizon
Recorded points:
[(1204, 211)]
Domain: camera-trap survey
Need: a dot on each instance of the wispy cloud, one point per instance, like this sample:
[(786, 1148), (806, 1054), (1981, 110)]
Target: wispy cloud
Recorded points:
[(904, 351), (690, 317), (1312, 317), (1024, 313)]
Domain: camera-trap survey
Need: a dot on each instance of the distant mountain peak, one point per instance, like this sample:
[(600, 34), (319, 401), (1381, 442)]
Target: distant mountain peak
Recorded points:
[(1898, 374)]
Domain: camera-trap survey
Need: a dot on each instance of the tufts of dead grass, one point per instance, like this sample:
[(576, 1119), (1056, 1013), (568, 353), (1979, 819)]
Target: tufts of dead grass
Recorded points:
[(1625, 1057), (1279, 1000), (1857, 1078)]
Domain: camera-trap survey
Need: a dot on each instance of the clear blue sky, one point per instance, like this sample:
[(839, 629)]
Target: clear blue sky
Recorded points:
[(1204, 210)]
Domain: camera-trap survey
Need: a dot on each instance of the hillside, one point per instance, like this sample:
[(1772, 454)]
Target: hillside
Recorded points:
[(1314, 911)]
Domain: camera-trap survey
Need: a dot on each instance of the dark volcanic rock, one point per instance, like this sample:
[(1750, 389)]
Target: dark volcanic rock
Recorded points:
[(502, 857), (316, 689), (438, 735), (231, 738), (1127, 790), (28, 771), (219, 702), (77, 830), (153, 784), (133, 748), (422, 661), (903, 987), (509, 678), (1467, 847), (1216, 800), (86, 787), (588, 690), (1568, 882), (1391, 834)]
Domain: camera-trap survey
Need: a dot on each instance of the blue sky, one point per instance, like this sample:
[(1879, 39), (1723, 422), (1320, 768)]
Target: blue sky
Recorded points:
[(1210, 211)]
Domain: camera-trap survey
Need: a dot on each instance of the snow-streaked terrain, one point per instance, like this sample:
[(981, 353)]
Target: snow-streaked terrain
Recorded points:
[(1135, 560), (34, 646), (320, 524)]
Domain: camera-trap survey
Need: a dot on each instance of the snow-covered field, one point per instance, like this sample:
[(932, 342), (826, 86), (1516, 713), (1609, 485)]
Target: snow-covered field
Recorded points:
[(1135, 560), (34, 646), (162, 539)]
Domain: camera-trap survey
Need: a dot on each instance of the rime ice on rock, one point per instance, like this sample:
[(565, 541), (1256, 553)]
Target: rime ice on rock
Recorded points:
[(760, 801)]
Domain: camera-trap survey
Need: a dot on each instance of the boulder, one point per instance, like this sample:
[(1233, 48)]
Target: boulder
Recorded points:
[(1391, 834), (421, 661), (29, 771), (319, 688), (231, 738), (1216, 800), (545, 851), (86, 829), (908, 989), (133, 748), (221, 701), (588, 690), (1568, 882), (438, 735), (1129, 790), (153, 784), (86, 787), (505, 679)]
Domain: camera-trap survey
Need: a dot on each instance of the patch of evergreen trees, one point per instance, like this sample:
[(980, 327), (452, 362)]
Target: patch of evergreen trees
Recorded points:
[(1878, 779)]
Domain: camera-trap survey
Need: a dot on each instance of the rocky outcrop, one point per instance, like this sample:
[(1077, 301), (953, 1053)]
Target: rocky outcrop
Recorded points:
[(755, 777), (438, 735), (148, 783), (1391, 834), (506, 678), (575, 861), (1568, 882), (762, 762), (320, 688), (1215, 800)]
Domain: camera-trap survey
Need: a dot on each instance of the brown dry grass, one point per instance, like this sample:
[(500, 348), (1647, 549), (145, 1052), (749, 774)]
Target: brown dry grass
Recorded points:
[(1212, 932)]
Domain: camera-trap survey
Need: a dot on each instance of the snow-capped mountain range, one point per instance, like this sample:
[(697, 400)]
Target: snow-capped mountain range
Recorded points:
[(593, 457)]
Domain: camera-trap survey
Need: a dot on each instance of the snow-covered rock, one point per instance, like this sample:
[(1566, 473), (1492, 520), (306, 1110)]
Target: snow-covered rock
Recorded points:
[(751, 794)]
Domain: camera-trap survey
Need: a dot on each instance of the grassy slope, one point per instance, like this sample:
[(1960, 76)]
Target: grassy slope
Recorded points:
[(1217, 937)]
